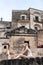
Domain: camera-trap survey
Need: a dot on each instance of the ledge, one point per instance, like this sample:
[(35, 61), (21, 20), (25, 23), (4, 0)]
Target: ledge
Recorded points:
[(30, 61)]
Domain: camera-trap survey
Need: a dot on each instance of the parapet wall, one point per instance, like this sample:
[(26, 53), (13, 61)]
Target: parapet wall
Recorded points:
[(30, 61)]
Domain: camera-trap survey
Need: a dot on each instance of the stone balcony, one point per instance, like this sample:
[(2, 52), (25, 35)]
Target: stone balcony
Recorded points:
[(23, 21)]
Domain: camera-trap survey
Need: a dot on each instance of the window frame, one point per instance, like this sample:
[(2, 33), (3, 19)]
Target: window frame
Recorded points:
[(37, 18), (38, 15), (36, 27), (23, 15)]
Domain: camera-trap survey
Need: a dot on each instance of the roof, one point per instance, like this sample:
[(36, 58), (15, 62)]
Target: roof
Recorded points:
[(36, 9), (5, 22), (26, 10), (21, 30)]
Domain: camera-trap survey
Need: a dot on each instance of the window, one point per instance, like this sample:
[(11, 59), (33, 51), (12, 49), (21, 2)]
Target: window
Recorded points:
[(5, 47), (41, 46), (23, 17), (8, 27), (36, 18), (36, 28), (27, 43)]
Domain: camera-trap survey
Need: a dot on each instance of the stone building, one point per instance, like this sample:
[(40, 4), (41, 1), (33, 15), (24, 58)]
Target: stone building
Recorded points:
[(26, 27), (5, 26), (31, 18)]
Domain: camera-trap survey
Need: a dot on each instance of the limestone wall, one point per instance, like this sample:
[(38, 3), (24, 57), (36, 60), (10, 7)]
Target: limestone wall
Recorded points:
[(16, 41), (40, 37)]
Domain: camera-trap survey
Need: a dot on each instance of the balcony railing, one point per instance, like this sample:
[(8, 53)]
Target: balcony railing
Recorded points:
[(23, 21)]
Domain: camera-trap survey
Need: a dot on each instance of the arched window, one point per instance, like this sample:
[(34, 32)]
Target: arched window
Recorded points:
[(37, 27)]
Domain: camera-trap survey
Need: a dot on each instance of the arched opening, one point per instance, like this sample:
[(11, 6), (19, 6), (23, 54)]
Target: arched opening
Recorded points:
[(37, 27), (27, 43), (5, 47)]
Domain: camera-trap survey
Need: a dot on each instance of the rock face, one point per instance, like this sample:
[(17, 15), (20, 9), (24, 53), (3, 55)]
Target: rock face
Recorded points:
[(30, 61)]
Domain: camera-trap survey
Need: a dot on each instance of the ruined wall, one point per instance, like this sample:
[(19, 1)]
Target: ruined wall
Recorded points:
[(26, 38), (16, 41), (40, 37)]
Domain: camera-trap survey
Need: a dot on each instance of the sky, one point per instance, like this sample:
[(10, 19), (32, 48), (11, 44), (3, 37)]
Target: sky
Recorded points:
[(6, 7)]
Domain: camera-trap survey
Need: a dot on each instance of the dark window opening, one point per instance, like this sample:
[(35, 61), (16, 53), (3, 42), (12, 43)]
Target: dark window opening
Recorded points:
[(8, 27), (41, 46), (23, 17), (29, 18), (27, 43), (23, 26), (36, 28), (5, 47), (36, 18)]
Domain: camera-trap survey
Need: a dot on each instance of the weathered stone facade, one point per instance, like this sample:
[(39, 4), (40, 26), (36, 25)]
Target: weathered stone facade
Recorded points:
[(33, 19), (40, 37), (26, 26), (30, 16)]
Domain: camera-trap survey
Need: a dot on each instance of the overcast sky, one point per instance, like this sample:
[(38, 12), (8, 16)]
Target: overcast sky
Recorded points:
[(6, 6)]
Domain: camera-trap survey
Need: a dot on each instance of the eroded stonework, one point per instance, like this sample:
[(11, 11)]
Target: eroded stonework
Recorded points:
[(26, 26)]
